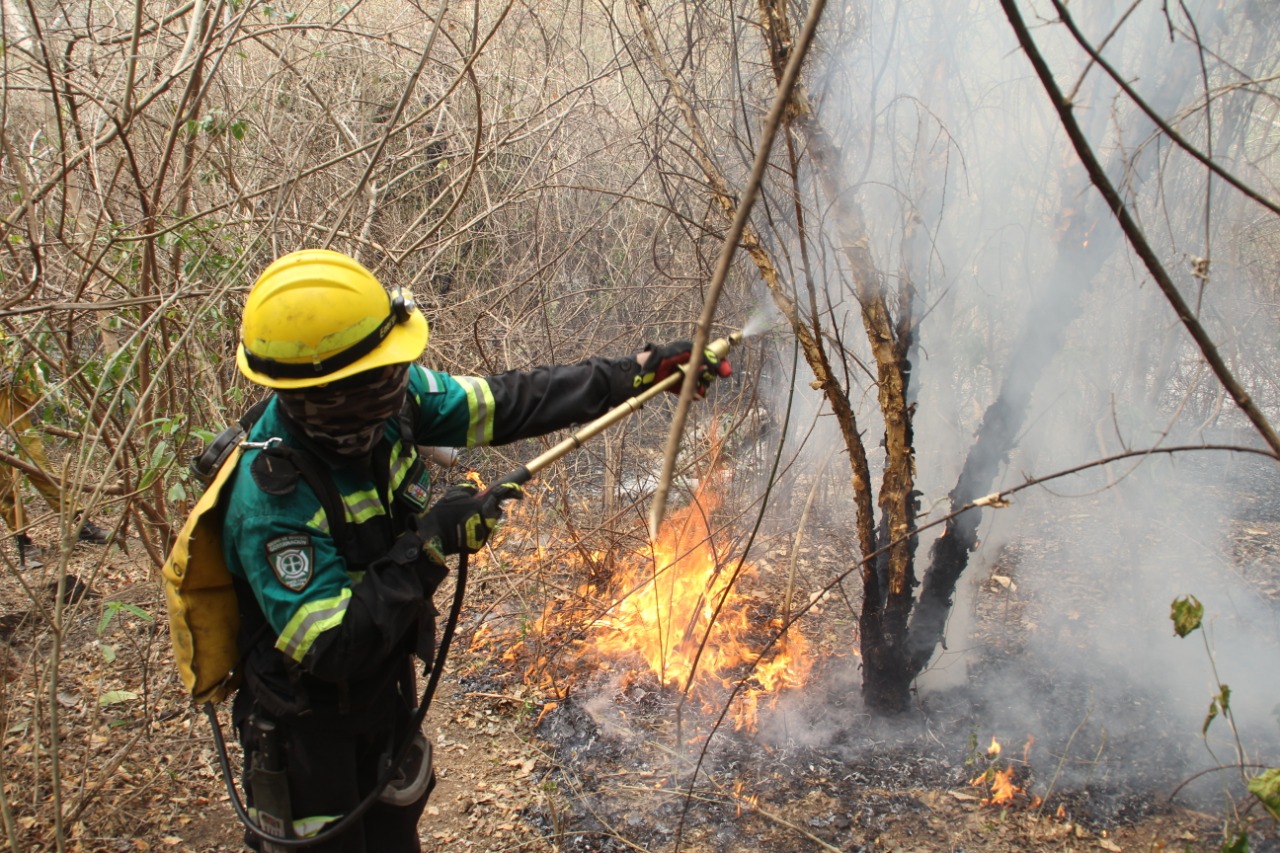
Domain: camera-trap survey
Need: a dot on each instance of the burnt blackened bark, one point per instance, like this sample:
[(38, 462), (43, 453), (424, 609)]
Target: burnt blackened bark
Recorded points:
[(1081, 254), (1082, 250), (886, 679), (886, 654), (888, 584), (949, 556)]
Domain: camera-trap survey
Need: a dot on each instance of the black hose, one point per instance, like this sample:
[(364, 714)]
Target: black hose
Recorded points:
[(348, 820)]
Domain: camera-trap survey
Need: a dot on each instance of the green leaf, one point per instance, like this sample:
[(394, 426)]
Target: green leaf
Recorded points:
[(108, 653), (1239, 844), (162, 457), (1220, 704), (159, 453), (1266, 787), (137, 611), (1187, 614), (1210, 717), (108, 613), (115, 697), (113, 607)]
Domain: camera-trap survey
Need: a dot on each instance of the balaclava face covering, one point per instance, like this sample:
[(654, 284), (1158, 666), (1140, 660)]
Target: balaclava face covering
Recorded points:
[(348, 417)]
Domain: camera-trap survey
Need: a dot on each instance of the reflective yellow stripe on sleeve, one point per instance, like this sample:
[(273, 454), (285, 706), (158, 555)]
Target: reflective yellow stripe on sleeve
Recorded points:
[(480, 404), (320, 522), (365, 504), (401, 463), (362, 505), (309, 621)]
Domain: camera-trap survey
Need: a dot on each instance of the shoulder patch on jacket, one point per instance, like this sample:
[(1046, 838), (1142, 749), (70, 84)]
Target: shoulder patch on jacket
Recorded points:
[(292, 559), (274, 473)]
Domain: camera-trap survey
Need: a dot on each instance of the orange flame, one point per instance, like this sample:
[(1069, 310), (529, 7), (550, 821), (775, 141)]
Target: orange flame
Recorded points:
[(678, 608), (1002, 787), (1001, 781)]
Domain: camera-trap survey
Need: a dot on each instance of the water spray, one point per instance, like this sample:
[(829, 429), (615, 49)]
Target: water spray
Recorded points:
[(759, 323), (526, 472)]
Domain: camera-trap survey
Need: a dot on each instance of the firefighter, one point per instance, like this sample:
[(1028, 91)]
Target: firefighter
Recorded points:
[(331, 613), (20, 385)]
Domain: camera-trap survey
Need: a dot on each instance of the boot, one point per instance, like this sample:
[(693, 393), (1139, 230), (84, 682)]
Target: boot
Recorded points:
[(28, 553), (92, 534)]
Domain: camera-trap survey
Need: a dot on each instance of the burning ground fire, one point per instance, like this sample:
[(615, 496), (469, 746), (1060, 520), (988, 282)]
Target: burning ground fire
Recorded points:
[(677, 611), (1000, 781)]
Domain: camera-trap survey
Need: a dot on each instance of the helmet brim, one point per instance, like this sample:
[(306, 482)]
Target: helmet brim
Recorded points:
[(404, 343)]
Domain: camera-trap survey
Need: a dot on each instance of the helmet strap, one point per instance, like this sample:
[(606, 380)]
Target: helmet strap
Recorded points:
[(402, 308)]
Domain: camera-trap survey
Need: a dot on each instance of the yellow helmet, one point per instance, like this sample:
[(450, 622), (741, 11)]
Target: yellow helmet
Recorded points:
[(316, 316)]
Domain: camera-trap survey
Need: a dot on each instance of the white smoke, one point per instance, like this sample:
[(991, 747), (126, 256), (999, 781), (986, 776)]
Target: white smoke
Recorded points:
[(942, 117)]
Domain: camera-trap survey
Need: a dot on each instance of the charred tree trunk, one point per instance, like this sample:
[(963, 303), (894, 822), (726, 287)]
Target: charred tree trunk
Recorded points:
[(996, 439), (1081, 253), (888, 580)]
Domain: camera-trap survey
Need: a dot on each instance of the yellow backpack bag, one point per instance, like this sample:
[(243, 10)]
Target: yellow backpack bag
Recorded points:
[(204, 615)]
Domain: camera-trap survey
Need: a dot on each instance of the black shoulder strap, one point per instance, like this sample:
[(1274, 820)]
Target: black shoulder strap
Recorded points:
[(254, 412), (409, 414), (210, 461), (317, 477), (276, 471), (206, 465), (414, 490), (312, 469)]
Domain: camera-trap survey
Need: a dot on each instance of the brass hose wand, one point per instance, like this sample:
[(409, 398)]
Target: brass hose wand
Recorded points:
[(526, 472)]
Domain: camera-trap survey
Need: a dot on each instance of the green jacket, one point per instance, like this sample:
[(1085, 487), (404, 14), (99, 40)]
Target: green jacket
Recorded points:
[(338, 616)]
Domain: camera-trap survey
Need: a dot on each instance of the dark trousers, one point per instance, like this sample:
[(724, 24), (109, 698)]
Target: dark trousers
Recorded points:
[(330, 769)]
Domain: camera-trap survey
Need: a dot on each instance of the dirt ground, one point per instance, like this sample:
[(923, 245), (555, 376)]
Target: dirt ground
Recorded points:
[(521, 768)]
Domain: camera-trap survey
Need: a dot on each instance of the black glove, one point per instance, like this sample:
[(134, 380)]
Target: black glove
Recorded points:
[(661, 361), (461, 521)]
